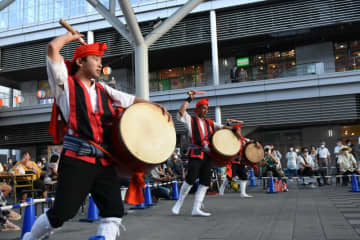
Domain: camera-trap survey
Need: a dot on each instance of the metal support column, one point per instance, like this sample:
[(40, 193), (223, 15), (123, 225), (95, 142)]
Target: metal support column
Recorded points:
[(142, 71), (215, 59), (5, 4)]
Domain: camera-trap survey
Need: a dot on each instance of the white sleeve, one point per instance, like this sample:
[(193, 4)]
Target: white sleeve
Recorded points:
[(218, 126), (186, 119), (57, 75), (120, 99)]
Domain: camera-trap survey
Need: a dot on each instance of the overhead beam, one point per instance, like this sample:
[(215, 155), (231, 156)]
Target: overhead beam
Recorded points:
[(5, 3), (131, 21), (171, 21), (112, 19)]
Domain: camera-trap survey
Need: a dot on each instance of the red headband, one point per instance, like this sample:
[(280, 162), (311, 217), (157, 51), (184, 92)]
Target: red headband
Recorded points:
[(204, 101), (96, 49)]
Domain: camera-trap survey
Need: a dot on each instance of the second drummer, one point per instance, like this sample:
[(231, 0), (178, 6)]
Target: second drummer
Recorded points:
[(200, 130), (238, 166)]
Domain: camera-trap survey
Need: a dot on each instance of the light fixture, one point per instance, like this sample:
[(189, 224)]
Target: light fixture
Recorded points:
[(330, 132), (19, 99), (40, 94), (107, 70), (337, 57), (342, 46)]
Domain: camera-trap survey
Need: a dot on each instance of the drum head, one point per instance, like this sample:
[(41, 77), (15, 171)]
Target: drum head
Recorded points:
[(147, 134), (226, 143), (253, 153)]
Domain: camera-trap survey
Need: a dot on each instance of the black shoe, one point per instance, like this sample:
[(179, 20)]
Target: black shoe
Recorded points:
[(320, 184)]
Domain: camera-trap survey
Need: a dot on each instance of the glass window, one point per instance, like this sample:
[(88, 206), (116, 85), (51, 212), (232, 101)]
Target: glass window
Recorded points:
[(347, 55), (15, 14), (4, 14), (29, 12), (61, 8), (77, 7), (46, 10), (177, 78)]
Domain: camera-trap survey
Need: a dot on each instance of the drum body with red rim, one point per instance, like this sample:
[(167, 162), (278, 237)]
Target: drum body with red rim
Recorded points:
[(142, 138), (224, 147), (253, 153)]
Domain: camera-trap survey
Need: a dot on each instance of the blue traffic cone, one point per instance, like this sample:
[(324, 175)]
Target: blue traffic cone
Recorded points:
[(252, 178), (175, 191), (354, 184), (29, 217), (93, 212), (147, 195), (139, 206), (271, 185), (97, 238)]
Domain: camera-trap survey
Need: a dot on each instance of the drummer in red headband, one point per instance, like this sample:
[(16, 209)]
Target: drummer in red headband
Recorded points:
[(200, 129), (238, 166), (87, 111)]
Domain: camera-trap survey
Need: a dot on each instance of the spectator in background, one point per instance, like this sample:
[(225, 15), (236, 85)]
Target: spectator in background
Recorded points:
[(175, 166), (291, 158), (233, 74), (243, 75), (324, 160), (352, 146), (26, 166), (52, 169), (158, 176), (10, 162), (305, 163), (347, 164)]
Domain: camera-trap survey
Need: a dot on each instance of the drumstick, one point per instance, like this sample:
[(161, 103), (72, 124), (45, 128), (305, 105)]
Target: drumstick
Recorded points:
[(71, 29), (235, 121), (193, 92)]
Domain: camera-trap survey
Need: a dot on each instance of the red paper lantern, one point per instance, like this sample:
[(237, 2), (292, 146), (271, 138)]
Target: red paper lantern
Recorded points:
[(19, 99), (1, 102), (40, 93), (107, 70)]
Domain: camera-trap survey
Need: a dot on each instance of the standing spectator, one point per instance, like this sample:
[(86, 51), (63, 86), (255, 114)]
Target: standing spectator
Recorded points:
[(233, 74), (347, 163), (243, 75), (352, 146), (291, 157), (337, 148), (305, 162), (324, 159)]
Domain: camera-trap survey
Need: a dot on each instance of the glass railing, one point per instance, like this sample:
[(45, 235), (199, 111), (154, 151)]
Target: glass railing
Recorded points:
[(256, 73), (23, 101)]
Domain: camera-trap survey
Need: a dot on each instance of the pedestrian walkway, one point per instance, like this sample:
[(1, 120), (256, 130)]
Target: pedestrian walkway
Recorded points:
[(302, 213)]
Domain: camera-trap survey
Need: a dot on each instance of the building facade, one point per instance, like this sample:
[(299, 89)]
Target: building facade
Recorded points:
[(289, 69)]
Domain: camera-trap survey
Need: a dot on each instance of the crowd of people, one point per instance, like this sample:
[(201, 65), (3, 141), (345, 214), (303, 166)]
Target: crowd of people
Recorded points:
[(40, 173), (312, 161)]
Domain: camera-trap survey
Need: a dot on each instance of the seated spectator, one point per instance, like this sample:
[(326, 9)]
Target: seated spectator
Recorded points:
[(305, 165), (269, 164), (52, 169), (26, 166), (7, 215), (272, 167), (175, 167), (159, 176), (347, 163)]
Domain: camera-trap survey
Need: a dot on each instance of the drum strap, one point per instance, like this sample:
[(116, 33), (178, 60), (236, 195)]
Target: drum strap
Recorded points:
[(134, 194)]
